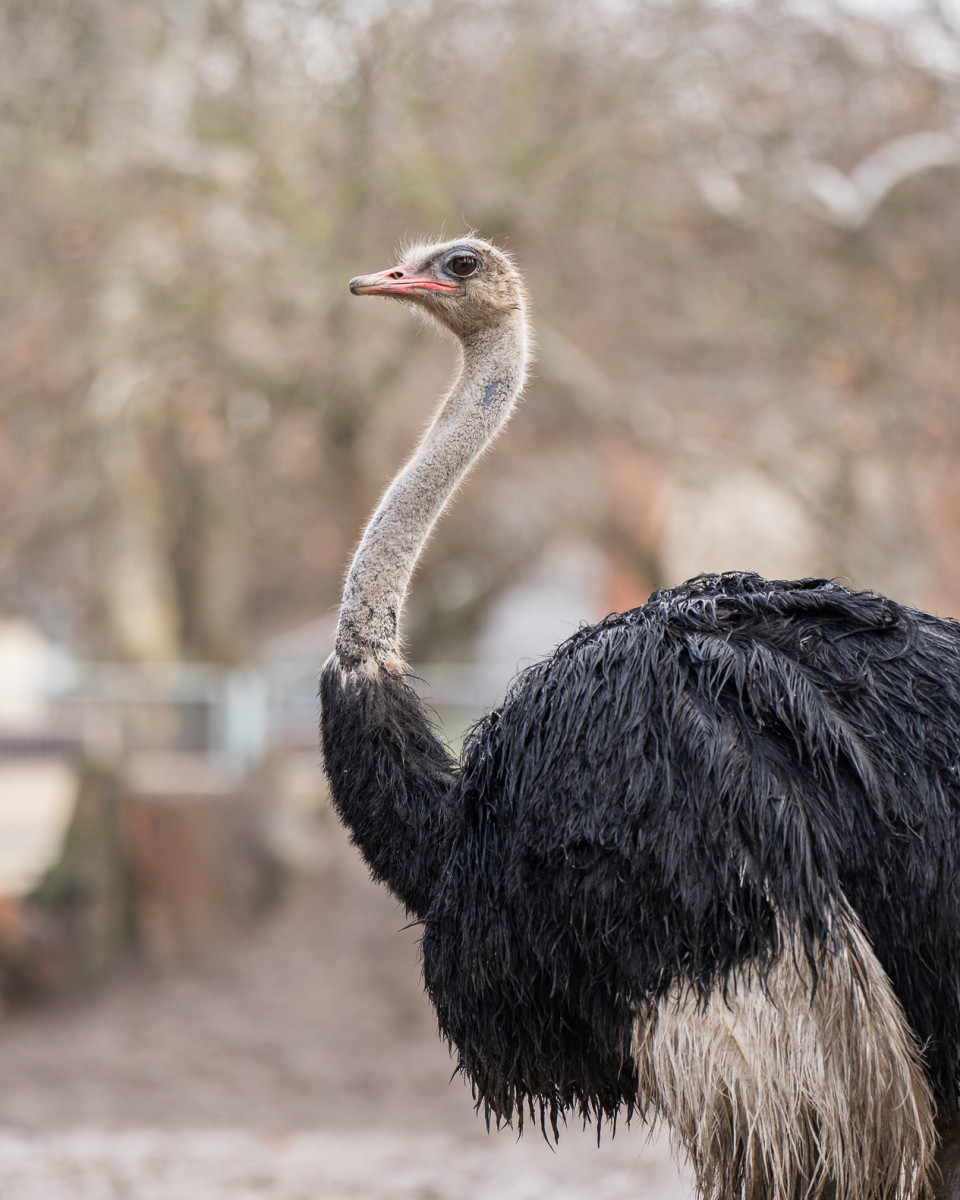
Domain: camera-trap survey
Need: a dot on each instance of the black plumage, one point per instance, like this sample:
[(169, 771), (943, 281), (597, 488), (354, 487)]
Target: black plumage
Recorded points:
[(655, 803), (702, 861)]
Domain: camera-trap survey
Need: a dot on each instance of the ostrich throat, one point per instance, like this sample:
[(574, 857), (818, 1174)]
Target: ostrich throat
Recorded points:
[(493, 366)]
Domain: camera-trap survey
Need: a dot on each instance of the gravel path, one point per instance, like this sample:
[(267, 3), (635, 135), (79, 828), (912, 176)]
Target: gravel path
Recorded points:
[(384, 1165), (301, 1063)]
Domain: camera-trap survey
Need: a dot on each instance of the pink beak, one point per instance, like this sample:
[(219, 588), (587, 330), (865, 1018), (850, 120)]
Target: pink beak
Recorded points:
[(399, 282)]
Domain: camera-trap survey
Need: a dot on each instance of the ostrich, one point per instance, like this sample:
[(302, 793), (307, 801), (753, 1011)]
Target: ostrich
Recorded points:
[(701, 865)]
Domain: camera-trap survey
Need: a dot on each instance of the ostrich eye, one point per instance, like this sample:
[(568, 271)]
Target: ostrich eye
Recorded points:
[(463, 265)]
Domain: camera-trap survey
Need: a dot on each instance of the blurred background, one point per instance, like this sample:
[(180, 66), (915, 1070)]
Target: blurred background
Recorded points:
[(740, 227)]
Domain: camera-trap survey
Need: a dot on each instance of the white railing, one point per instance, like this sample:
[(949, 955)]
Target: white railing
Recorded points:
[(235, 715)]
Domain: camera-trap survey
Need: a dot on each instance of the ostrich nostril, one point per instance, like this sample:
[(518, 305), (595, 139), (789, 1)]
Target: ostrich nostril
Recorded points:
[(395, 275)]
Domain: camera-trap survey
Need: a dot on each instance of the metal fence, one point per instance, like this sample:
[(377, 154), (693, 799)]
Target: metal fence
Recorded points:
[(233, 715)]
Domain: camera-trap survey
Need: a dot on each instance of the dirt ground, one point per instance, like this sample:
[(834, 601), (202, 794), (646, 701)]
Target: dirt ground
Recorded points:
[(299, 1063)]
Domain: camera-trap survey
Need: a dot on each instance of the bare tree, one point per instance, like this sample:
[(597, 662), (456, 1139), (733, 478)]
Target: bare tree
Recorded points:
[(195, 423)]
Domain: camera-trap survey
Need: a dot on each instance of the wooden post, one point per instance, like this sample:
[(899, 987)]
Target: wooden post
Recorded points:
[(158, 861), (196, 848)]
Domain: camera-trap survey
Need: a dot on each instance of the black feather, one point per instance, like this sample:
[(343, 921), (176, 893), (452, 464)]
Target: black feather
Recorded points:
[(390, 777), (648, 804)]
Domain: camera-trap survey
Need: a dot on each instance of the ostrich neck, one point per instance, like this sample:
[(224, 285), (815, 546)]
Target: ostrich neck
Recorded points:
[(493, 364)]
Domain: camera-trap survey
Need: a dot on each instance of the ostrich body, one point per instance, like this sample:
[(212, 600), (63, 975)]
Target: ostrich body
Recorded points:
[(701, 863)]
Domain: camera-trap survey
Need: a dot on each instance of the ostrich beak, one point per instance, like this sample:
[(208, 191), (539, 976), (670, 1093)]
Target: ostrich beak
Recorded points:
[(398, 282)]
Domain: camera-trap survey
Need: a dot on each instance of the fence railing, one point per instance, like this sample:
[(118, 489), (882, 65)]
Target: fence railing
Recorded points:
[(233, 715)]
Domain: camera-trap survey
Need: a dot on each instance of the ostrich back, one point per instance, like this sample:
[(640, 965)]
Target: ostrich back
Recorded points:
[(681, 795)]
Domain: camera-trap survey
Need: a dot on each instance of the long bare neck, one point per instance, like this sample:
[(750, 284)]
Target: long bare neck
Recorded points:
[(493, 366)]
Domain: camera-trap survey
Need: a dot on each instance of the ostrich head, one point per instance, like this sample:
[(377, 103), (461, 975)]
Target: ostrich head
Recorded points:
[(467, 284)]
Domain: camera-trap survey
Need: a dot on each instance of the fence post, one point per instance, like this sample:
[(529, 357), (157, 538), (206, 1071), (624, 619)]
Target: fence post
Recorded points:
[(245, 726)]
